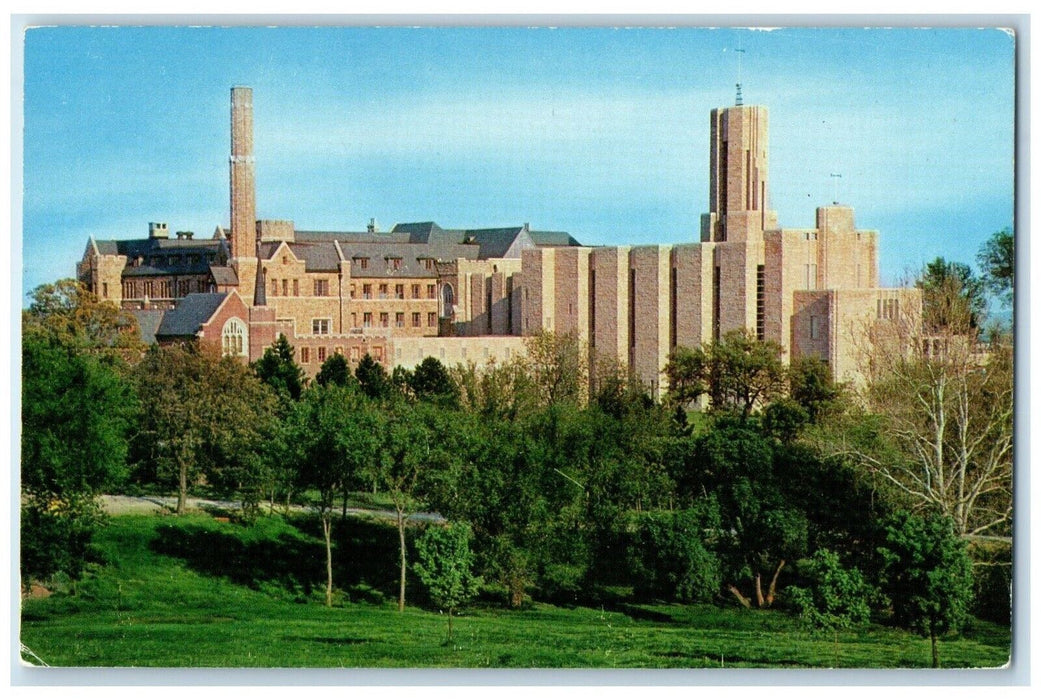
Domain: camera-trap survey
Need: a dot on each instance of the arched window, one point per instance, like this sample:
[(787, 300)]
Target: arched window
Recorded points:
[(447, 301), (234, 338)]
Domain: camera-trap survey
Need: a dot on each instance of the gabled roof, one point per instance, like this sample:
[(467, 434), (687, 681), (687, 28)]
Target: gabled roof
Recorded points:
[(191, 312), (494, 242), (148, 320)]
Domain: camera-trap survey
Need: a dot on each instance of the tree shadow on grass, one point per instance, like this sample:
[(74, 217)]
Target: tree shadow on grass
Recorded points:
[(291, 562), (365, 556)]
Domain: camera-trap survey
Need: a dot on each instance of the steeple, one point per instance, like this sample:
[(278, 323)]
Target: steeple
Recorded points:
[(260, 289)]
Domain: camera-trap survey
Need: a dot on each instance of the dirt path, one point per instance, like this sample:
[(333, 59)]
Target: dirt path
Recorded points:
[(145, 505)]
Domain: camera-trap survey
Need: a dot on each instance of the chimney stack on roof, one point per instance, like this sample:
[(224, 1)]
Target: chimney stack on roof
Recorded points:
[(158, 230)]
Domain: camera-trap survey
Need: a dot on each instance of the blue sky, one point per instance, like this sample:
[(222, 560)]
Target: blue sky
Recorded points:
[(603, 133)]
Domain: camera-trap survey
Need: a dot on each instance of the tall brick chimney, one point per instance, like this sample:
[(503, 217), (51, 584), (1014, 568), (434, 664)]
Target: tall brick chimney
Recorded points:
[(243, 183)]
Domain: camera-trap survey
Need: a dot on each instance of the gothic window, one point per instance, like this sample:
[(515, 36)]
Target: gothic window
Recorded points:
[(234, 338)]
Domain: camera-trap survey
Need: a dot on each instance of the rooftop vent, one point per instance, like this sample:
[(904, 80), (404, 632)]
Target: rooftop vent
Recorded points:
[(158, 230)]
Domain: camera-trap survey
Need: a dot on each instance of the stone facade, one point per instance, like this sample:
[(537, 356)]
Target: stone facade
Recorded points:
[(471, 295)]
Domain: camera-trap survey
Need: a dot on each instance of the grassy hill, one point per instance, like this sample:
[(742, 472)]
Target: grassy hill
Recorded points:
[(194, 592)]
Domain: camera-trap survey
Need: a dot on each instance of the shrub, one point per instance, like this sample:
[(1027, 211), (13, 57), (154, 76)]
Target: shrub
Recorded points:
[(836, 598), (668, 557)]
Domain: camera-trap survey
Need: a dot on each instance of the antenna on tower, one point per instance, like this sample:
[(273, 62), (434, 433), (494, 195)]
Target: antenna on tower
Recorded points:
[(739, 51), (835, 177)]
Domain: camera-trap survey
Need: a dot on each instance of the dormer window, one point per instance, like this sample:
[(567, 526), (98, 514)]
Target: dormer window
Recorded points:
[(363, 263), (394, 263)]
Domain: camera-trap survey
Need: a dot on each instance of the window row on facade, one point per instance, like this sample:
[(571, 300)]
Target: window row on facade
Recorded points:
[(161, 289), (320, 354), (383, 317), (384, 291), (291, 287)]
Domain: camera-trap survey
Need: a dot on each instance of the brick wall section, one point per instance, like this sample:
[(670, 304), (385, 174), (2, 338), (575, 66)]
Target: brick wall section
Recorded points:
[(650, 342), (472, 313), (611, 302), (409, 352), (845, 251), (103, 275), (232, 307), (693, 302), (571, 287), (478, 298), (538, 275), (276, 230), (737, 263), (845, 319)]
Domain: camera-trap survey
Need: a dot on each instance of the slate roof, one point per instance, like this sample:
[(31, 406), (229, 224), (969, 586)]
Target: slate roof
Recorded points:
[(412, 243), (553, 239), (224, 275), (494, 242), (191, 312), (166, 256), (148, 321)]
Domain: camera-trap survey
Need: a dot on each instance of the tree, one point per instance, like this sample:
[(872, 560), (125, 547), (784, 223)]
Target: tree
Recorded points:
[(495, 391), (335, 370), (430, 381), (952, 297), (938, 423), (445, 566), (668, 556), (761, 528), (927, 575), (373, 379), (76, 415), (687, 372), (410, 448), (278, 369), (200, 414), (558, 366), (244, 419), (71, 316), (737, 371), (332, 435), (810, 384), (997, 260)]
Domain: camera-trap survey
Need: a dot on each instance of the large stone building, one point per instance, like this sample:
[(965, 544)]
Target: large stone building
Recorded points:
[(472, 295)]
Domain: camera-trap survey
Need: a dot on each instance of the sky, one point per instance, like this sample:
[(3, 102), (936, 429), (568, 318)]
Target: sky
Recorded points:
[(600, 132)]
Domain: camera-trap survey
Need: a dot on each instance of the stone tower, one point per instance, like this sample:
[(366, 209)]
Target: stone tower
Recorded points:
[(738, 175), (738, 216)]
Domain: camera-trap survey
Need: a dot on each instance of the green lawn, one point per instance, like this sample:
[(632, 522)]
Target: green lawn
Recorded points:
[(193, 592)]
